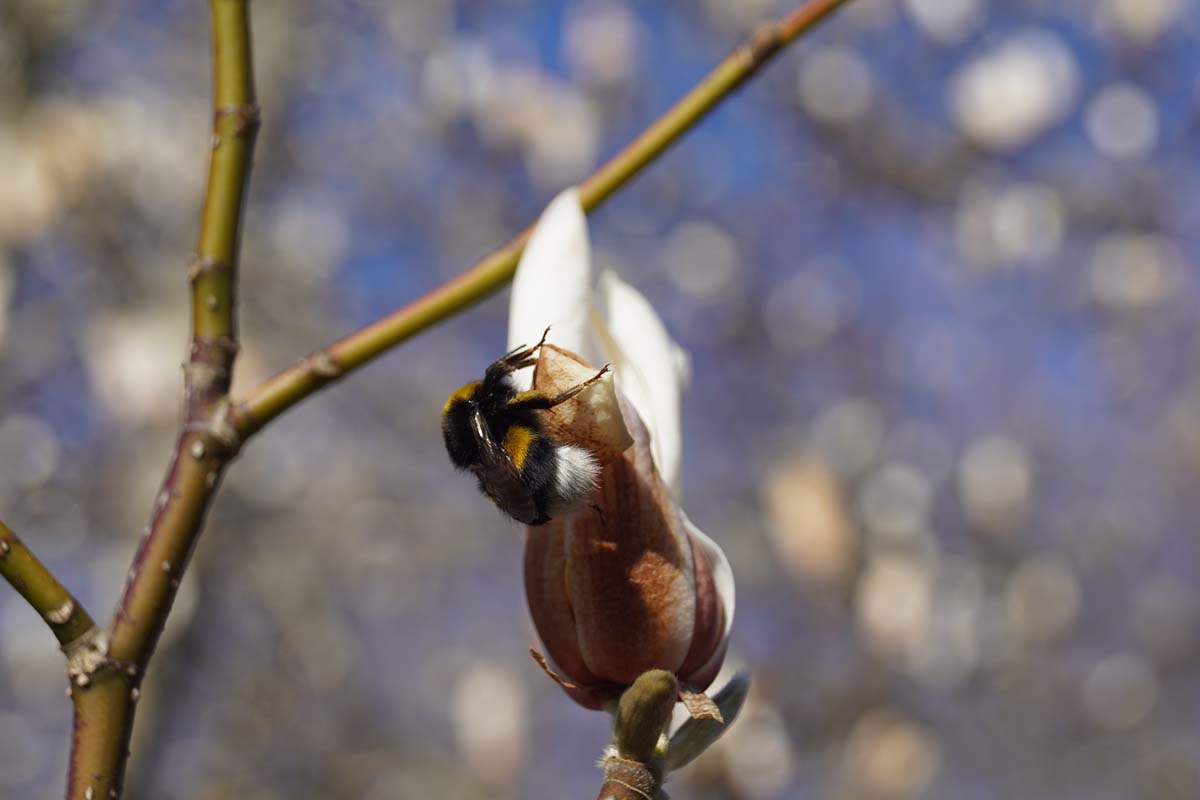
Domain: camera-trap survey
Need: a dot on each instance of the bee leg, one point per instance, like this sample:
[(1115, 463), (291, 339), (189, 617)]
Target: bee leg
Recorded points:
[(563, 397), (517, 358), (521, 352), (537, 399)]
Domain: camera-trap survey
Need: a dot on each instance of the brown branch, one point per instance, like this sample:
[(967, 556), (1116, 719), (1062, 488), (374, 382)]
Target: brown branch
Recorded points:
[(68, 620), (105, 693), (289, 387)]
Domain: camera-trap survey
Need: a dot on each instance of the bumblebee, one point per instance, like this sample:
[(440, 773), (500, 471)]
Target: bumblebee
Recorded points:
[(492, 431)]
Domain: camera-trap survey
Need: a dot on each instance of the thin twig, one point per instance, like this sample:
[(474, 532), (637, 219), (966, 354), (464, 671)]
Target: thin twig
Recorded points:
[(289, 387), (68, 620), (106, 695)]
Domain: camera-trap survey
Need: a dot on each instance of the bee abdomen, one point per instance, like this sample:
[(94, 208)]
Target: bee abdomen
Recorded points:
[(560, 477), (575, 474), (576, 471)]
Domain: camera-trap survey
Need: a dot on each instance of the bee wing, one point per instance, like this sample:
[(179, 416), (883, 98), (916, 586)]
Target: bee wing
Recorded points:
[(499, 477), (489, 450)]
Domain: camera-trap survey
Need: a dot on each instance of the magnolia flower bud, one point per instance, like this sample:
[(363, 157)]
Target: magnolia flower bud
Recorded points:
[(627, 584)]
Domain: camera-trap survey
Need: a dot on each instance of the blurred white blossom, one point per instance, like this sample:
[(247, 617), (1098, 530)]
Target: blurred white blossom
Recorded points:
[(888, 757), (1122, 121), (947, 21), (1134, 272), (814, 536), (835, 85), (995, 482), (1016, 91), (488, 708), (1142, 21), (602, 42), (1120, 692)]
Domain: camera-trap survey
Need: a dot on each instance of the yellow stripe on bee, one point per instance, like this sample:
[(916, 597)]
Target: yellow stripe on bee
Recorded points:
[(461, 395), (528, 394), (517, 442)]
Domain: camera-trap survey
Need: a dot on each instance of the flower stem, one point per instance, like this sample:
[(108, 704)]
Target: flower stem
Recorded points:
[(289, 387)]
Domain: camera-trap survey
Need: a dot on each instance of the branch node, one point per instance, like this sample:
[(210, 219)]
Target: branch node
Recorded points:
[(248, 116), (202, 377), (766, 42), (205, 265), (222, 433), (323, 365), (214, 350), (5, 549), (60, 615), (208, 371), (221, 428), (86, 656)]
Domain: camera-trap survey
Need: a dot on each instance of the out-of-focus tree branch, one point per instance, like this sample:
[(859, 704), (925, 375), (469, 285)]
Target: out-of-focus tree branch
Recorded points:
[(289, 387), (105, 698), (68, 620)]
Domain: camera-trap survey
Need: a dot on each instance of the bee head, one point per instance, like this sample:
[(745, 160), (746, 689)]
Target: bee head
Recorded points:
[(456, 425)]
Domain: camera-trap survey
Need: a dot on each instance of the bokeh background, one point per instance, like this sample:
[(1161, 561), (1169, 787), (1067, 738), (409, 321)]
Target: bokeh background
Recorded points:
[(935, 270)]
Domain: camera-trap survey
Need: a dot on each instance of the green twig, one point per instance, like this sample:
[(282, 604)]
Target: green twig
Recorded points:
[(289, 387), (68, 620)]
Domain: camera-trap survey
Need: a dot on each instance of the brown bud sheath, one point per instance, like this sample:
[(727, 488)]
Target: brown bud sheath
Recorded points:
[(625, 585)]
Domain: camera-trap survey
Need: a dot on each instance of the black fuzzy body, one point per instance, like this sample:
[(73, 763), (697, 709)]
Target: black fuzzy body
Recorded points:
[(476, 421)]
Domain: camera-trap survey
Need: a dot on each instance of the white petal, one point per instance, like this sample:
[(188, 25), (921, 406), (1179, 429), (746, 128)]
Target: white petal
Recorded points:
[(650, 367), (722, 579), (553, 283)]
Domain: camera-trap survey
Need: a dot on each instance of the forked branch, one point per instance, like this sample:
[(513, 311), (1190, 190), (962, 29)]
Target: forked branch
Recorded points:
[(105, 695)]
